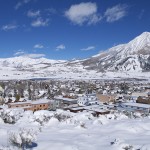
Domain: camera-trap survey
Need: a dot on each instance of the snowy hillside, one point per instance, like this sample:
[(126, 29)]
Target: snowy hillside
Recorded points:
[(22, 62), (24, 67), (74, 131), (133, 56)]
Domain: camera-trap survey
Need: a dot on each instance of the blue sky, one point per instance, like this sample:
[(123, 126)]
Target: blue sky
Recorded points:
[(67, 29)]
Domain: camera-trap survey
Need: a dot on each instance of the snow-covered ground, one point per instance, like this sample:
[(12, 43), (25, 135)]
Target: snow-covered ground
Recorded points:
[(81, 131), (28, 68), (64, 72)]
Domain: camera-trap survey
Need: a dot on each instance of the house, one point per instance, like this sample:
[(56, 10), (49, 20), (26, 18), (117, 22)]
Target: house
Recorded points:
[(88, 99)]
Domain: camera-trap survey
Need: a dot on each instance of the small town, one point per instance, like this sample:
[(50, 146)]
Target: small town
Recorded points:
[(98, 97), (29, 108)]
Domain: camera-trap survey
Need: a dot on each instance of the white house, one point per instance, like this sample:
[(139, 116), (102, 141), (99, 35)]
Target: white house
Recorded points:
[(88, 99)]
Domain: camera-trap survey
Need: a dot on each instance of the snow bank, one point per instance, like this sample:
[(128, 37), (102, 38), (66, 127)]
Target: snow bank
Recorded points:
[(78, 131)]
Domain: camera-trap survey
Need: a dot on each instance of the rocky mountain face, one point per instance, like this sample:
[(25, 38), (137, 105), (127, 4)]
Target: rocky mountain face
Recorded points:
[(133, 56)]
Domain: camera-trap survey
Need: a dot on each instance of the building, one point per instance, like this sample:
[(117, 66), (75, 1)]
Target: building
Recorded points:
[(88, 99), (106, 98), (137, 94), (63, 101), (19, 104), (31, 105), (40, 105), (94, 109), (143, 100), (135, 107)]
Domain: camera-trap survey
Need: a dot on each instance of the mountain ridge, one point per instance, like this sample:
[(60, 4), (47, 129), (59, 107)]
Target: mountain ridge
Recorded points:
[(121, 60), (131, 56)]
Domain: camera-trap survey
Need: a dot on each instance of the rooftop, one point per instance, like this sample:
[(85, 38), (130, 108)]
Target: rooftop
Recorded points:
[(20, 103), (64, 99), (41, 101), (137, 105)]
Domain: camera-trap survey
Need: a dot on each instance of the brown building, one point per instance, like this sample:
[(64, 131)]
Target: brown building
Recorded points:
[(106, 98), (143, 100), (33, 106)]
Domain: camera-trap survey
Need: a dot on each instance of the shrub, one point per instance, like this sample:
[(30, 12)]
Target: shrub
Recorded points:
[(23, 138)]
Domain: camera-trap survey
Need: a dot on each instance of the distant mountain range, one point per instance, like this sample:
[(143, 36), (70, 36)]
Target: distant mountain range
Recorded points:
[(127, 59)]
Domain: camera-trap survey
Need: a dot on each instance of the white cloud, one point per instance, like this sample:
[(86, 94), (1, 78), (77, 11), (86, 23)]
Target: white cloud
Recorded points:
[(21, 3), (60, 47), (33, 14), (141, 14), (19, 52), (115, 13), (38, 46), (24, 54), (50, 11), (39, 22), (83, 13), (9, 27), (35, 55), (26, 1), (88, 48)]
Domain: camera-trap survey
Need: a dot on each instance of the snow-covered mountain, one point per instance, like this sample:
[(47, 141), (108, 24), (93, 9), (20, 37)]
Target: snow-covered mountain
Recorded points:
[(24, 67), (133, 56), (120, 61), (23, 62)]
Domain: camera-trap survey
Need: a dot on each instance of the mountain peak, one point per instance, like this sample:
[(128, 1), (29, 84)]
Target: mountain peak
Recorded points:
[(145, 33), (139, 43), (132, 56)]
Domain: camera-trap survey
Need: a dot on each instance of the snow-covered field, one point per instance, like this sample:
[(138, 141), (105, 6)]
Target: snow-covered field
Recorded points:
[(63, 72), (28, 68), (81, 131)]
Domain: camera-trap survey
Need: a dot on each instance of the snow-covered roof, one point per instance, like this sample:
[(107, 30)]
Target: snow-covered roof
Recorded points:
[(64, 98), (72, 106), (137, 105), (31, 102), (40, 101), (24, 107), (99, 110), (77, 108), (19, 103)]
